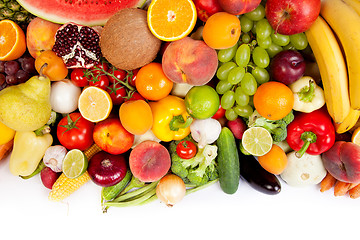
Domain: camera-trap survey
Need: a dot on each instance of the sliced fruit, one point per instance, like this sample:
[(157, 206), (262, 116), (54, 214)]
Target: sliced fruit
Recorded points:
[(75, 163), (95, 104), (257, 141), (171, 20), (12, 41), (355, 138)]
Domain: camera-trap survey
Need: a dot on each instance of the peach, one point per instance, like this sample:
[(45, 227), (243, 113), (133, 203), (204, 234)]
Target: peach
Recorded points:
[(40, 36), (189, 61)]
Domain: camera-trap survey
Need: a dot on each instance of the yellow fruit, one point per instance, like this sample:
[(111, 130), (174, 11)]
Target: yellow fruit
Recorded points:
[(6, 133)]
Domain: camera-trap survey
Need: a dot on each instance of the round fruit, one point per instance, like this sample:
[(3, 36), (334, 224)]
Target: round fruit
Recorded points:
[(55, 69), (106, 169), (152, 83), (202, 102), (12, 41), (257, 141), (222, 30), (274, 161), (74, 164), (136, 116), (273, 100)]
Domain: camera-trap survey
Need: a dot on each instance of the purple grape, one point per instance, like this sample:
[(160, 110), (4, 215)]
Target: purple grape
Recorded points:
[(11, 80), (2, 79), (2, 66), (11, 67), (28, 64), (22, 76)]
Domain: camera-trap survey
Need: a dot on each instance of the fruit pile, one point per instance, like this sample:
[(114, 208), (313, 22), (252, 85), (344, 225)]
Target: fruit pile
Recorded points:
[(181, 97)]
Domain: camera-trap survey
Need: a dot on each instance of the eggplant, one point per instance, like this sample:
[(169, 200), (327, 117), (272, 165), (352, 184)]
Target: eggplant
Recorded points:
[(257, 177)]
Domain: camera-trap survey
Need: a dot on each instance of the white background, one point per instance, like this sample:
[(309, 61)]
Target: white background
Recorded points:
[(295, 213)]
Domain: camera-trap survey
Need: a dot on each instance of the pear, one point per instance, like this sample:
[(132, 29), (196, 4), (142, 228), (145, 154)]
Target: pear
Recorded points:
[(26, 106)]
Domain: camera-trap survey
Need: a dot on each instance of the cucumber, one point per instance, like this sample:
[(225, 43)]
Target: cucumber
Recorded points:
[(228, 161), (109, 193)]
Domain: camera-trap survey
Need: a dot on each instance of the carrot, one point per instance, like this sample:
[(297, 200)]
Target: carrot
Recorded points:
[(355, 192), (341, 188), (5, 149), (327, 182)]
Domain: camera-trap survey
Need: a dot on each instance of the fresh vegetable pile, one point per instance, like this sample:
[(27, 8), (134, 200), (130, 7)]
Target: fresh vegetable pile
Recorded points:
[(161, 101)]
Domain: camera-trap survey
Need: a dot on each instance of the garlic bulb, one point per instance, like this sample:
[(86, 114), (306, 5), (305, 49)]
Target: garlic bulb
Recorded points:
[(54, 157)]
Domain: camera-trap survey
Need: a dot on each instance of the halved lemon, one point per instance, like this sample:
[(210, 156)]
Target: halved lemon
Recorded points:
[(257, 141), (12, 41), (171, 20), (95, 104)]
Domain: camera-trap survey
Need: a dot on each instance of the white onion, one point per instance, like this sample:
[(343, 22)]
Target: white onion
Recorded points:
[(64, 96)]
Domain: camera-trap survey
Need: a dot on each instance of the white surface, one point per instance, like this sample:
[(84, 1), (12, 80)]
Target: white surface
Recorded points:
[(295, 213)]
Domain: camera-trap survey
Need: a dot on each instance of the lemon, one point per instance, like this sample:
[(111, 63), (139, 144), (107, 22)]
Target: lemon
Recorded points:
[(74, 164), (7, 134), (257, 141)]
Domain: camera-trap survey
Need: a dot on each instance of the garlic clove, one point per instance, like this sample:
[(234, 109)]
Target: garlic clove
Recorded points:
[(54, 157)]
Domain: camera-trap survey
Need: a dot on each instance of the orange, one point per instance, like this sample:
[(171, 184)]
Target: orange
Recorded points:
[(152, 83), (273, 100), (171, 20), (355, 138), (222, 30), (136, 116), (95, 104), (12, 41), (55, 70), (274, 161)]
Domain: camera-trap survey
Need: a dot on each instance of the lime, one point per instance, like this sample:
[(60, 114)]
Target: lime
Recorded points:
[(74, 164), (257, 141), (202, 102)]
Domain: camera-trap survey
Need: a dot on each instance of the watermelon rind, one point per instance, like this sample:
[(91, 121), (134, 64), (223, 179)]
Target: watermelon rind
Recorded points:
[(64, 11)]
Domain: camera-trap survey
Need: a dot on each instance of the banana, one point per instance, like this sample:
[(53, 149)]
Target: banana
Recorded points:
[(355, 4), (349, 121), (345, 22), (332, 68)]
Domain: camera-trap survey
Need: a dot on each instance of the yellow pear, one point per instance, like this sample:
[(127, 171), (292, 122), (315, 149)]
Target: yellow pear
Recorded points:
[(26, 107)]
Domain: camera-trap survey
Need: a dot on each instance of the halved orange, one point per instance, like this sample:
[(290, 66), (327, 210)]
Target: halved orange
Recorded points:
[(95, 104), (12, 41), (171, 20)]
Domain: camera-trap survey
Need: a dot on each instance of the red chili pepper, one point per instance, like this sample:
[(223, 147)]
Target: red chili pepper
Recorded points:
[(312, 132)]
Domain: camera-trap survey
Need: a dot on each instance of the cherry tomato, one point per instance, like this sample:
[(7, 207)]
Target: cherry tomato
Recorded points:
[(219, 113), (186, 149), (132, 79), (117, 93), (119, 75), (100, 81), (78, 77), (102, 65), (135, 96), (75, 132)]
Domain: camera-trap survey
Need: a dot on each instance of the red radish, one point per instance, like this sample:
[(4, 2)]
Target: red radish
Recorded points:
[(49, 177), (149, 161), (237, 127)]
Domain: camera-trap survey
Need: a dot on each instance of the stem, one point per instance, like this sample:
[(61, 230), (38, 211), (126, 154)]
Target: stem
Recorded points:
[(307, 93), (134, 183), (42, 131), (179, 122), (134, 202), (135, 193), (126, 84), (197, 188), (42, 69), (308, 138)]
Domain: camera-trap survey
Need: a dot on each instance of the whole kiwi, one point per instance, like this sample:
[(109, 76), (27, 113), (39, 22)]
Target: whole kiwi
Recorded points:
[(126, 41)]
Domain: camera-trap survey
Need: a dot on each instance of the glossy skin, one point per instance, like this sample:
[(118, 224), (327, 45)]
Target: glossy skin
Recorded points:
[(292, 16), (238, 7), (206, 8), (186, 149)]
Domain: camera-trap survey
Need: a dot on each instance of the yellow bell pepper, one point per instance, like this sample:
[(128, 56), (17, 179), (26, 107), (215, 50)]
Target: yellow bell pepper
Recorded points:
[(170, 119), (28, 150)]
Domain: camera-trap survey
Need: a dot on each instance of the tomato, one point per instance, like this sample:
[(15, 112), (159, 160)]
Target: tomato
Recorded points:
[(102, 65), (117, 93), (219, 113), (134, 96), (132, 79), (78, 77), (186, 149), (119, 75), (100, 81), (75, 132)]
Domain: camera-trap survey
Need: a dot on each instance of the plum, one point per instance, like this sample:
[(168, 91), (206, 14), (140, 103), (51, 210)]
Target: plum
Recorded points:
[(149, 161), (237, 127)]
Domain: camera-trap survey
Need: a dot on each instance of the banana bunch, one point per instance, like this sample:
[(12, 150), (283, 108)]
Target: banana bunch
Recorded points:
[(335, 41)]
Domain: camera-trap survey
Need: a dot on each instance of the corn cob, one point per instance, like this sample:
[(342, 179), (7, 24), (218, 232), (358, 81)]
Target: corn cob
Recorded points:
[(64, 186)]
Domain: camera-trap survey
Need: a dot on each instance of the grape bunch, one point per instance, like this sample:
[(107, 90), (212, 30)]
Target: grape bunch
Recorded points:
[(245, 66), (16, 71)]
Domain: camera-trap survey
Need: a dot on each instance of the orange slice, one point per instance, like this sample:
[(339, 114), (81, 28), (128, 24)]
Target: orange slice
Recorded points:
[(171, 20), (95, 104), (12, 41)]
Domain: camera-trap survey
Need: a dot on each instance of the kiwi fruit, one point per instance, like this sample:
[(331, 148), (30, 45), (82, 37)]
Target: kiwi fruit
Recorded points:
[(126, 41)]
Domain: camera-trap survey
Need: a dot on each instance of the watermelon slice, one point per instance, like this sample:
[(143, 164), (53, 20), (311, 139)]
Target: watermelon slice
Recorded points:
[(83, 12)]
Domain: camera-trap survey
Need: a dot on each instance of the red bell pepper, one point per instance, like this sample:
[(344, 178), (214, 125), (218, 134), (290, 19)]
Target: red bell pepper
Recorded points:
[(312, 132)]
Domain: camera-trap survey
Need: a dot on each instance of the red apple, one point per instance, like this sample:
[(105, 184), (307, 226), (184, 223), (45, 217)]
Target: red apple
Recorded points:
[(292, 16), (342, 161), (206, 8), (112, 137), (238, 7)]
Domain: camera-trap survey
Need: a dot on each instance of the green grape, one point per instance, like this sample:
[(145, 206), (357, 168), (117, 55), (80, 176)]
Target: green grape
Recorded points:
[(289, 47), (261, 75), (235, 75), (246, 24), (280, 39), (223, 71), (248, 84), (253, 30), (241, 98), (273, 50), (256, 14), (243, 54), (225, 55), (263, 29), (260, 57), (299, 41), (245, 38), (230, 114), (243, 111), (264, 43), (227, 100), (222, 87)]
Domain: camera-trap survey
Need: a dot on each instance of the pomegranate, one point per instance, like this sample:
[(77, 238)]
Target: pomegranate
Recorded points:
[(77, 45)]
